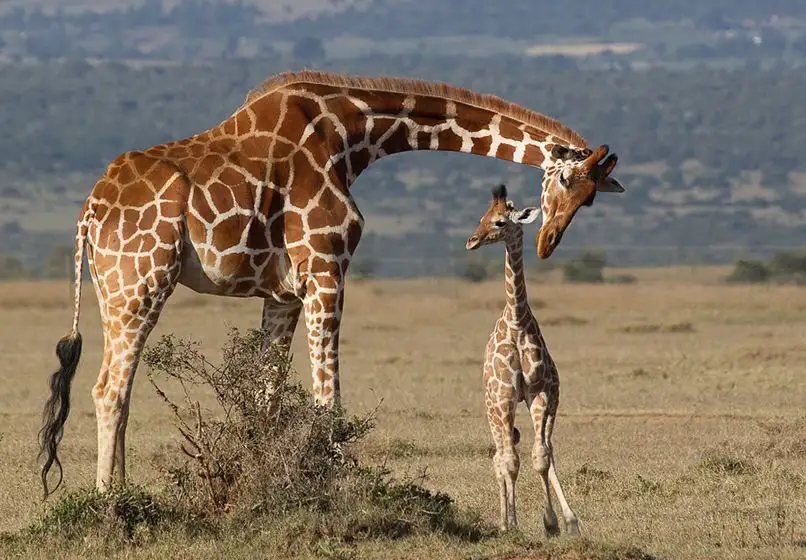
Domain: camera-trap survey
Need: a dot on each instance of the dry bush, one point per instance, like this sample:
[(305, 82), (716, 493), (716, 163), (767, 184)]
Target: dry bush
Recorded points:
[(265, 461), (270, 452)]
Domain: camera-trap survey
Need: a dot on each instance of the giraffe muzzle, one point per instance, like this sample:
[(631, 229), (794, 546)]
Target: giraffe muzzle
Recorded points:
[(547, 240), (473, 242)]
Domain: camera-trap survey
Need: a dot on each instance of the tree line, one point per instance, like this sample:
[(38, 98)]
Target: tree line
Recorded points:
[(76, 116)]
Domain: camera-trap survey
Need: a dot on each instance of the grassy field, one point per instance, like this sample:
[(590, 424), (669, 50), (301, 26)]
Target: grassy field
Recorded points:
[(681, 430)]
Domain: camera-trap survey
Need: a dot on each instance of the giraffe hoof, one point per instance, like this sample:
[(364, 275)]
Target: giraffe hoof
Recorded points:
[(572, 527), (551, 526)]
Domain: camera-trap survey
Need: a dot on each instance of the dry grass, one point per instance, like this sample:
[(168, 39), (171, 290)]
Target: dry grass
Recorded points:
[(686, 444)]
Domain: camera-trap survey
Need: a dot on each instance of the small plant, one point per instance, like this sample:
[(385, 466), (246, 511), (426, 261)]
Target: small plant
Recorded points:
[(400, 448), (723, 464), (588, 478), (122, 513)]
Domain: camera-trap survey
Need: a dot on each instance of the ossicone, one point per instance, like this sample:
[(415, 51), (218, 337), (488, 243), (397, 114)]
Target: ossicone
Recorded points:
[(499, 192)]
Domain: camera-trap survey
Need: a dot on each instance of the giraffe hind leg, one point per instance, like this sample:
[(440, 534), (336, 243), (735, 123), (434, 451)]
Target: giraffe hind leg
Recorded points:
[(541, 460), (278, 323), (127, 330), (570, 518), (132, 291)]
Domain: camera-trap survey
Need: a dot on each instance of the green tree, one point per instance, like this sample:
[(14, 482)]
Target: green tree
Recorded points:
[(60, 262), (12, 268), (587, 267)]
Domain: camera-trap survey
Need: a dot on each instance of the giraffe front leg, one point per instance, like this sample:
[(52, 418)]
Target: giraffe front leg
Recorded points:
[(323, 302), (506, 463)]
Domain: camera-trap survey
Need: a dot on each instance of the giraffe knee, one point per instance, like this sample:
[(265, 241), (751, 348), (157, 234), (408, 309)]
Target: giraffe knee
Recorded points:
[(507, 462), (540, 458)]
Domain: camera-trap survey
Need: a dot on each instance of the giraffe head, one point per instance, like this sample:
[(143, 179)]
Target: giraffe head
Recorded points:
[(501, 221), (572, 178)]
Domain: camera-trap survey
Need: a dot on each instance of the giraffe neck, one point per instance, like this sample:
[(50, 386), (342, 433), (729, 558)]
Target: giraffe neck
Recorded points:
[(516, 297), (342, 130)]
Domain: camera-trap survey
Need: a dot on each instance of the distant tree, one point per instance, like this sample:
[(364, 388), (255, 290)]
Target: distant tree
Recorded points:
[(60, 262), (12, 268), (365, 267), (748, 272), (714, 20), (587, 267), (788, 267), (475, 268)]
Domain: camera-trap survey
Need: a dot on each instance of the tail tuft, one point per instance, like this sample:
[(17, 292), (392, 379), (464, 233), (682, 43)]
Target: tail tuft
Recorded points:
[(57, 407)]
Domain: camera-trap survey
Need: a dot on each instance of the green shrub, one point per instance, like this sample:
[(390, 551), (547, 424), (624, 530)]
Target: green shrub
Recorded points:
[(300, 463), (364, 268), (788, 267), (748, 272), (587, 267), (476, 268)]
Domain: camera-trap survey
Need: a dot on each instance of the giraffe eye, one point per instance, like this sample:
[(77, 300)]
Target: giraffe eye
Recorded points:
[(562, 180), (499, 223)]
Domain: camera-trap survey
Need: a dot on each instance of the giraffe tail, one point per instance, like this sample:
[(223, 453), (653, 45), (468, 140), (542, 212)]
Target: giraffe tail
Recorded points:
[(68, 350)]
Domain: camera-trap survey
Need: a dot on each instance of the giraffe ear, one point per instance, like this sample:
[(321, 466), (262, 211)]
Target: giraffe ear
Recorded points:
[(526, 215), (610, 185)]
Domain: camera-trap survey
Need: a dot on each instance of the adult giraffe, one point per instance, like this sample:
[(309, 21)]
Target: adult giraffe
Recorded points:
[(259, 206)]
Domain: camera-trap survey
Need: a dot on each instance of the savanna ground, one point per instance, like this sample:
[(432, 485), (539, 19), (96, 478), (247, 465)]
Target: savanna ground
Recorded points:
[(682, 423)]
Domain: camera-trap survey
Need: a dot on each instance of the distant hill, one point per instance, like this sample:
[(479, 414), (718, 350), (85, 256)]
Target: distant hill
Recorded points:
[(529, 18), (259, 29)]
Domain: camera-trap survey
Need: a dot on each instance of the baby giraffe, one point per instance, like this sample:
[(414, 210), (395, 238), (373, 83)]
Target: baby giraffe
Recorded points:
[(517, 367)]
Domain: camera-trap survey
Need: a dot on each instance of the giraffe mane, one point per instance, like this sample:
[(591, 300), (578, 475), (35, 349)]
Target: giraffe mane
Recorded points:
[(393, 84)]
